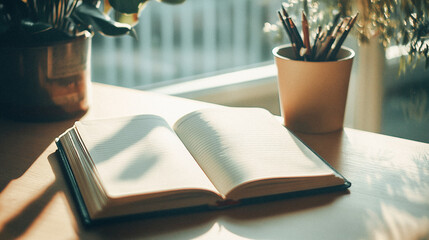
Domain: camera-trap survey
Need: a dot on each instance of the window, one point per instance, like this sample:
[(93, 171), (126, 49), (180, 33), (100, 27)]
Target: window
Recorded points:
[(176, 42), (208, 39)]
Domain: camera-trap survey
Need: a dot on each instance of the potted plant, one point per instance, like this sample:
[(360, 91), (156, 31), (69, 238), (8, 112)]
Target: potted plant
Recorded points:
[(393, 22), (403, 24), (45, 51)]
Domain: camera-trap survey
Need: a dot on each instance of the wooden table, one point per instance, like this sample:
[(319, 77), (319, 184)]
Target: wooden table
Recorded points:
[(389, 198)]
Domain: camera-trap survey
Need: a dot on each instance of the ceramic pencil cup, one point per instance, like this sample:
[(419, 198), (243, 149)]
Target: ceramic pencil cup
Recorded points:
[(313, 94)]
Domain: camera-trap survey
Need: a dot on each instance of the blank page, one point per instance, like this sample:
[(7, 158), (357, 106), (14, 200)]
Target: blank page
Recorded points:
[(237, 145), (140, 154)]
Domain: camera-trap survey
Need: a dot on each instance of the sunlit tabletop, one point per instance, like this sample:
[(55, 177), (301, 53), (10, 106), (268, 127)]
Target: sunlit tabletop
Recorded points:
[(389, 197)]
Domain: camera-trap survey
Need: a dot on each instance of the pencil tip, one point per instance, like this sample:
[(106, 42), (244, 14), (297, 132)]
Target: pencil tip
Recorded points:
[(303, 16), (356, 15), (284, 10)]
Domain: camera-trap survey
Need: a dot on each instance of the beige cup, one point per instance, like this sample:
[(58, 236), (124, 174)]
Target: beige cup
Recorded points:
[(313, 94)]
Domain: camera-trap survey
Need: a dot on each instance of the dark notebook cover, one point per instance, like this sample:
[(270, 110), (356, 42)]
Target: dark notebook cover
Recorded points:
[(87, 221)]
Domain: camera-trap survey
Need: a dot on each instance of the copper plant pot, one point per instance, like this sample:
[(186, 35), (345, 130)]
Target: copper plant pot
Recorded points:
[(46, 83)]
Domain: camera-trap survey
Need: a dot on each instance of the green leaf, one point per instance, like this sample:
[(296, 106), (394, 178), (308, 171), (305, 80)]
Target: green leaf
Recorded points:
[(4, 26), (135, 6), (427, 62), (172, 1), (131, 19), (88, 14), (35, 27), (127, 6)]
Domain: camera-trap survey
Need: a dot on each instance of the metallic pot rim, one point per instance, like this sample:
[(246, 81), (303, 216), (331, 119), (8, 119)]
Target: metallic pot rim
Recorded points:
[(85, 36)]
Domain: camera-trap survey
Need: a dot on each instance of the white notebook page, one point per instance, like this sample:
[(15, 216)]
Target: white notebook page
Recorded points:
[(237, 145), (140, 154)]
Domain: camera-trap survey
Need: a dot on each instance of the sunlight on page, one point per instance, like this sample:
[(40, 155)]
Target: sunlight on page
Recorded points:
[(130, 154), (234, 146)]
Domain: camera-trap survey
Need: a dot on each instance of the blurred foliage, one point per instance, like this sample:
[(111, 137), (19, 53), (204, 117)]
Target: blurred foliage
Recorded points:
[(31, 21), (393, 22), (397, 22)]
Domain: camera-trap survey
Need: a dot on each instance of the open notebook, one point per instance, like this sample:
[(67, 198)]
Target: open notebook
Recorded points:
[(211, 157)]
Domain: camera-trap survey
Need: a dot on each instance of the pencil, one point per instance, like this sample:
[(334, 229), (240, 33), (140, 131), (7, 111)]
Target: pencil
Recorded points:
[(284, 11), (327, 44), (316, 42), (343, 37), (306, 35), (295, 33), (334, 23), (285, 26), (327, 40), (288, 32)]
